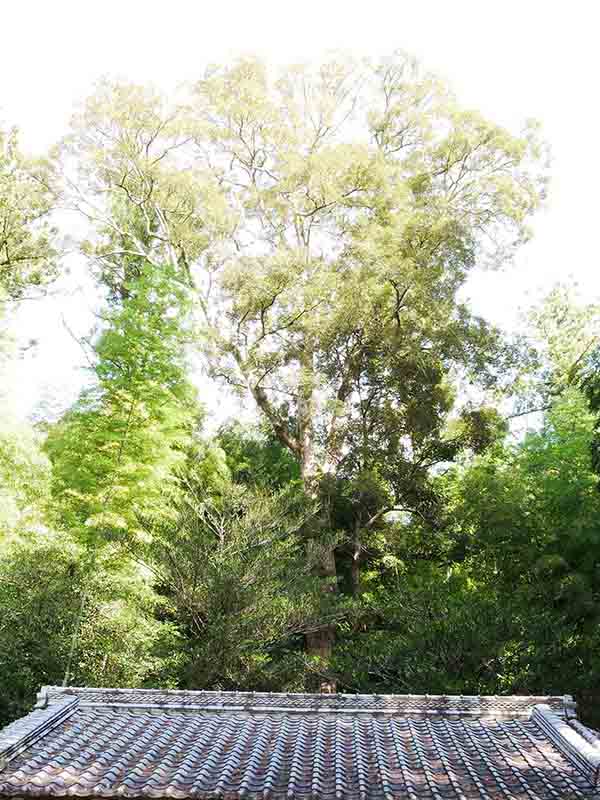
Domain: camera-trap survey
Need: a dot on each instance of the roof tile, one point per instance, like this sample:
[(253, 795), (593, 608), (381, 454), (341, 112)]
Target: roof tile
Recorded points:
[(184, 745)]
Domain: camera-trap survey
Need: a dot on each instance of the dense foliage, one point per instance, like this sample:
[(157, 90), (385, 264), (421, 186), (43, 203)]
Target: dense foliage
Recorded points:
[(27, 193), (377, 528)]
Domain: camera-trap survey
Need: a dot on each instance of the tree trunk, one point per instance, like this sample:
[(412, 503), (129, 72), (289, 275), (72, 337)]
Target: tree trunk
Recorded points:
[(319, 643), (355, 566)]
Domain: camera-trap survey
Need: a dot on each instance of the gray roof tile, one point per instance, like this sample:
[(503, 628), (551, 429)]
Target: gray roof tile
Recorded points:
[(183, 745)]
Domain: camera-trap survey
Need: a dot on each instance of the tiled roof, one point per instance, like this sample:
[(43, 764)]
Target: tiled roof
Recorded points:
[(167, 744)]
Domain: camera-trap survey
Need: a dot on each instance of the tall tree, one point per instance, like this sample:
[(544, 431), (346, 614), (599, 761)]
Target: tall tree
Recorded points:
[(116, 450), (326, 219)]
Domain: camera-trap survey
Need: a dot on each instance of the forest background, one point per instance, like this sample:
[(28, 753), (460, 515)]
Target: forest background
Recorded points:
[(409, 502)]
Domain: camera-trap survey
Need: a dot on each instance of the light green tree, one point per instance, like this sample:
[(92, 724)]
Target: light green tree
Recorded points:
[(116, 451), (24, 480)]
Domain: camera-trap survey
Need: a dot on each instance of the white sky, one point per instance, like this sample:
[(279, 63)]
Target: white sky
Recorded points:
[(512, 60)]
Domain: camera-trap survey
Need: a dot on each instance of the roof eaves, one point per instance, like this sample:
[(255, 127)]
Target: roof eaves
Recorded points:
[(583, 753), (17, 736)]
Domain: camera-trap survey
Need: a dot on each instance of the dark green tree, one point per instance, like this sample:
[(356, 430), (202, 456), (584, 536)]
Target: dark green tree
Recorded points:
[(119, 640)]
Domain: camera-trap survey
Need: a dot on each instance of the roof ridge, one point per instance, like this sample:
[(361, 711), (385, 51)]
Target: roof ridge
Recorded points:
[(74, 690), (582, 753), (303, 710), (501, 706), (25, 731)]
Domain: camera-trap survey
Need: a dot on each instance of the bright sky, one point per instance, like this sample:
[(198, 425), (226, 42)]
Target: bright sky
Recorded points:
[(512, 60)]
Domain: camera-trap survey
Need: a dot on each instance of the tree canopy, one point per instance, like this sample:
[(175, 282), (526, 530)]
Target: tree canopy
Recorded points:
[(323, 220), (27, 195)]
